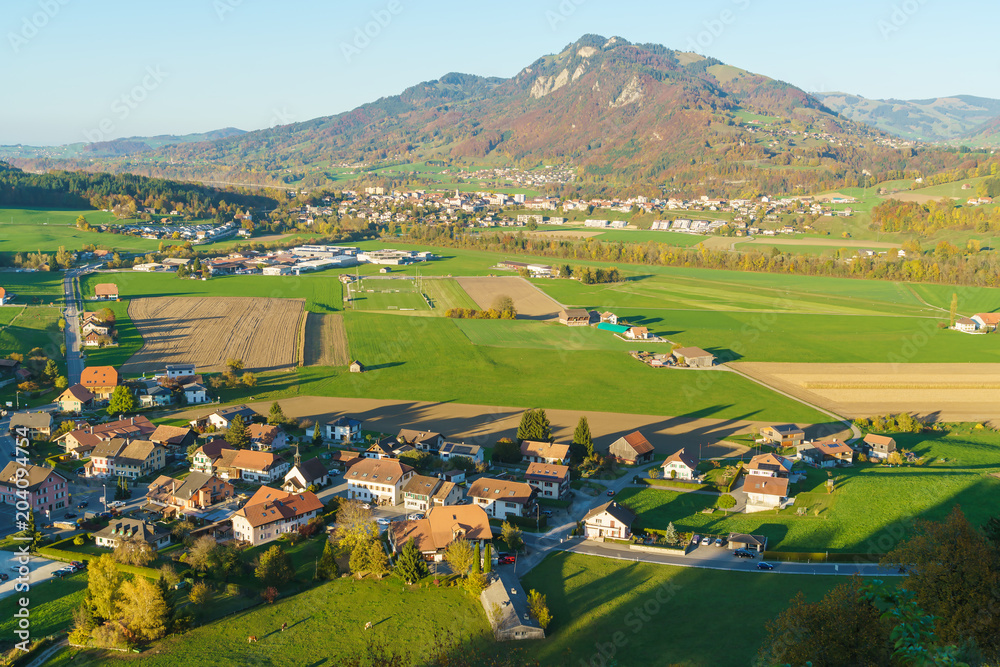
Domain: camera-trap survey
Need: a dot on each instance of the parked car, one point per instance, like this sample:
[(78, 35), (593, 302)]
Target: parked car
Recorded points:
[(696, 539), (116, 503), (611, 492), (743, 553), (78, 564), (382, 521), (719, 542), (546, 512), (4, 576), (505, 559), (764, 566), (367, 506), (82, 504), (71, 515), (706, 541)]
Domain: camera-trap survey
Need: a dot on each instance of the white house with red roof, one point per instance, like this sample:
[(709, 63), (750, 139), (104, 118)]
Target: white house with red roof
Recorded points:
[(680, 465), (270, 513)]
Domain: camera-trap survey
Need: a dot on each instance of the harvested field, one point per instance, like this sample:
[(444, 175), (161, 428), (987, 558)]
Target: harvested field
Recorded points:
[(833, 243), (565, 234), (946, 392), (531, 303), (206, 331), (326, 340), (918, 197)]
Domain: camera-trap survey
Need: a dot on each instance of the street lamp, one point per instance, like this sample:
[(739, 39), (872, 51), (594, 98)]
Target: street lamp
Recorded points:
[(105, 498)]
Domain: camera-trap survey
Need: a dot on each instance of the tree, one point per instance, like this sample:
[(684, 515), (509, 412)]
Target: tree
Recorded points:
[(275, 566), (238, 434), (505, 306), (32, 531), (488, 558), (953, 311), (654, 473), (200, 594), (476, 560), (51, 371), (410, 565), (512, 535), (528, 426), (249, 379), (122, 401), (134, 552), (583, 438), (359, 558), (277, 415), (203, 556), (670, 535), (235, 365), (61, 382), (103, 585), (507, 451), (842, 629), (106, 315), (327, 567), (354, 524), (992, 531), (459, 555), (539, 608)]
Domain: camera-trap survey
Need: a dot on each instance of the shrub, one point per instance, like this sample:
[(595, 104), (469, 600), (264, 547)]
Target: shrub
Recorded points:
[(726, 501), (79, 540), (270, 594)]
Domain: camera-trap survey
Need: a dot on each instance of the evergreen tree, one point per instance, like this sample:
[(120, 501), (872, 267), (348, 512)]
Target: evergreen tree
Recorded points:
[(488, 558), (327, 567), (582, 437), (238, 434), (527, 426), (410, 565), (671, 534), (544, 426), (277, 415), (378, 560), (359, 558), (476, 561)]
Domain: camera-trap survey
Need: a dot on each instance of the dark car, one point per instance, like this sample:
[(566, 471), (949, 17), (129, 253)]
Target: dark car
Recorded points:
[(505, 559), (764, 566), (78, 564), (71, 515), (3, 576), (82, 504), (546, 512), (743, 553), (611, 492)]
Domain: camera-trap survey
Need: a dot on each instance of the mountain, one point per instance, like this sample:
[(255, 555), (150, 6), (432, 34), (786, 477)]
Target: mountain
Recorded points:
[(114, 148), (623, 114), (942, 119)]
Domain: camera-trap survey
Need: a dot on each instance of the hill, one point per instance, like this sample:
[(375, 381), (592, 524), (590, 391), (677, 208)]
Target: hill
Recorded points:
[(117, 147), (941, 119)]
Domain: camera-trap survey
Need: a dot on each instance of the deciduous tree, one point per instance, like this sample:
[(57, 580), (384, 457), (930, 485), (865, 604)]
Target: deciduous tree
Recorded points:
[(103, 585), (512, 535), (122, 401), (539, 608), (355, 524), (274, 567), (459, 555)]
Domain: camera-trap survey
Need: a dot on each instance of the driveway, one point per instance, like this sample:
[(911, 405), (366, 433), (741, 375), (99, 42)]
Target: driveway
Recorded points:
[(39, 570)]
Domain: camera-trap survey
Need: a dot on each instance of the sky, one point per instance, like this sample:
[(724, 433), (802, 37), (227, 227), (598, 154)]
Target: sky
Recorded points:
[(72, 71)]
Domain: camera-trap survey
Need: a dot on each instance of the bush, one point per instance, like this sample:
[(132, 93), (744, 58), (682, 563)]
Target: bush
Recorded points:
[(79, 540), (507, 451), (726, 502)]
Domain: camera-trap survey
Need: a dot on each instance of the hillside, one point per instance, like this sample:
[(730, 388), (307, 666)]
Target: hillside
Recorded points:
[(940, 119), (117, 147), (622, 114)]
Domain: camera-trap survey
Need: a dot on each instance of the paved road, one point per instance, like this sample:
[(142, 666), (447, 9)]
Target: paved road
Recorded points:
[(73, 304)]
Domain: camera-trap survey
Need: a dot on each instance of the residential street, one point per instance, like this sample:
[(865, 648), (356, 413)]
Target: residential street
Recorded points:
[(73, 302)]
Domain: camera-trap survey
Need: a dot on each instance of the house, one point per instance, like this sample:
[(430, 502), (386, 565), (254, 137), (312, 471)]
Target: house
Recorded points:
[(303, 475), (37, 425), (133, 530), (195, 492), (544, 452), (102, 457), (632, 448), (267, 437), (987, 321), (880, 446), (423, 441), (343, 430), (176, 439), (609, 520), (139, 458), (421, 493), (548, 479), (271, 513), (680, 465), (155, 396), (513, 622), (106, 292), (378, 481), (46, 490), (96, 327), (826, 454), (784, 435), (221, 419), (454, 476), (638, 333), (501, 498), (179, 373), (609, 318), (380, 450), (5, 297), (756, 543), (967, 325), (255, 466), (92, 339), (769, 465), (574, 317), (81, 439), (357, 367), (207, 456), (454, 449), (75, 399), (343, 460), (442, 526), (195, 393), (694, 357), (765, 493), (100, 380)]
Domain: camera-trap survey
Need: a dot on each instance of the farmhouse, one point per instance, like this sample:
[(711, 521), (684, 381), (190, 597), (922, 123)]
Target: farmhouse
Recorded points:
[(769, 465), (270, 513), (987, 321), (131, 530), (548, 480), (680, 465), (632, 448), (380, 450), (343, 430), (37, 424), (638, 333), (880, 446), (441, 527), (609, 317), (424, 441), (253, 466), (422, 493), (609, 520), (574, 317), (501, 498), (46, 490), (195, 492), (100, 380), (106, 292), (544, 452), (694, 357), (75, 399), (826, 454), (379, 481), (967, 325), (765, 493), (453, 449), (785, 435)]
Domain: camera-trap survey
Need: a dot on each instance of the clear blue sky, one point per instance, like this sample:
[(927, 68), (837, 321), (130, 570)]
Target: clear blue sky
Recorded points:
[(198, 65)]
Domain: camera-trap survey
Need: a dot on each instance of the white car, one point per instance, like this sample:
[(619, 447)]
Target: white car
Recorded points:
[(383, 521), (116, 503)]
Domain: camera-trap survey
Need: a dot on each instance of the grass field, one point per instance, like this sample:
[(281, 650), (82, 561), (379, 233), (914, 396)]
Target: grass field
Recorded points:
[(665, 615), (547, 336), (324, 623), (129, 338), (35, 287), (643, 236), (872, 506), (36, 229), (35, 326), (379, 294), (52, 605)]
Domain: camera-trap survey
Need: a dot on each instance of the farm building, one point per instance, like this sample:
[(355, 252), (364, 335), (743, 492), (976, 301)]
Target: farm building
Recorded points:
[(574, 317), (106, 292), (632, 448), (880, 445), (694, 357), (357, 367), (966, 325), (5, 296), (609, 317), (987, 321), (638, 333)]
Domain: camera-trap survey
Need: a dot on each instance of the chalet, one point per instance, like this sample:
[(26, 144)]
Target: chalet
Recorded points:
[(380, 450), (100, 380), (421, 493), (206, 457), (769, 465), (37, 425), (548, 480), (783, 435), (632, 448), (92, 339), (378, 481), (301, 476), (195, 492), (638, 333), (694, 357), (826, 454), (609, 318), (880, 446), (501, 498), (132, 530), (222, 418), (454, 449), (106, 292), (176, 439), (423, 441), (609, 520), (75, 399), (442, 525), (344, 429), (46, 490), (680, 465), (574, 317), (765, 493), (267, 437), (97, 328), (271, 513), (195, 393), (544, 452)]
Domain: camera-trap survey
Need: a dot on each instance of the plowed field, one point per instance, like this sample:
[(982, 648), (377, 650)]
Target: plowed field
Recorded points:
[(326, 340), (531, 303)]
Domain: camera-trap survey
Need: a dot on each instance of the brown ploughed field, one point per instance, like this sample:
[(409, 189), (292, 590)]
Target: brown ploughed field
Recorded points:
[(531, 302)]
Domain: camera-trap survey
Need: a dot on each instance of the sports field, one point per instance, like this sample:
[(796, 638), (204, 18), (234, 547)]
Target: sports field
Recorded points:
[(380, 293)]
